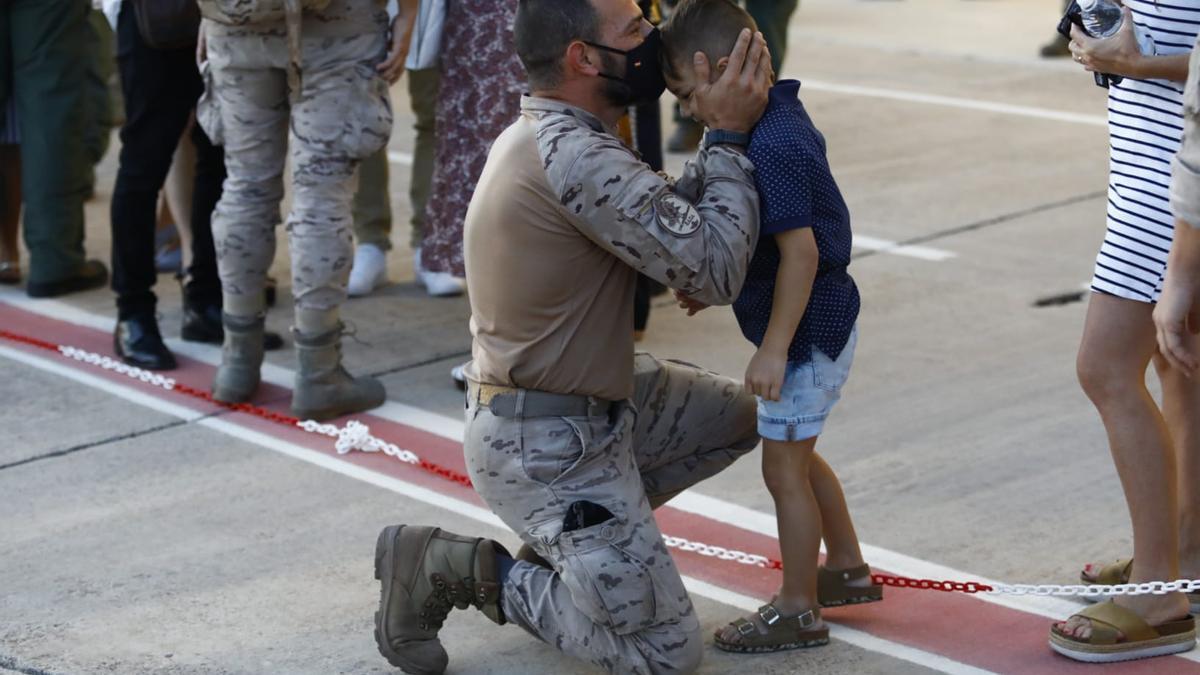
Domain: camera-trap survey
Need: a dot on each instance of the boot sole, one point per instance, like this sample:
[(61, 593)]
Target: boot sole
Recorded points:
[(326, 414), (385, 563)]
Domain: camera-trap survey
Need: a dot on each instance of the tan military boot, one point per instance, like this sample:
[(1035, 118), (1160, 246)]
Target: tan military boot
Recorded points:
[(238, 375), (324, 389), (425, 572)]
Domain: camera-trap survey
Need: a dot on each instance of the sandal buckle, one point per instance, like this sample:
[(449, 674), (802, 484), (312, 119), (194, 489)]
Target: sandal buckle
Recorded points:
[(807, 619), (746, 628), (769, 614)]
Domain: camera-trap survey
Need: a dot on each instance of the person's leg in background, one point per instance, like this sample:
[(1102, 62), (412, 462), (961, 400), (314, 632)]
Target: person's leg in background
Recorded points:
[(160, 87), (647, 128), (423, 88), (48, 57), (372, 225), (100, 68), (773, 18), (10, 213), (177, 200), (320, 223)]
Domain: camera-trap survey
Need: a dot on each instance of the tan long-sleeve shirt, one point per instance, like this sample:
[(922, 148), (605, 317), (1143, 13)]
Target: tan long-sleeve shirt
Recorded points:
[(563, 219)]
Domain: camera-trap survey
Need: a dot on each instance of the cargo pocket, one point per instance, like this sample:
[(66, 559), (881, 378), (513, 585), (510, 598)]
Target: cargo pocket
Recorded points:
[(607, 582), (550, 446), (368, 113), (208, 108)]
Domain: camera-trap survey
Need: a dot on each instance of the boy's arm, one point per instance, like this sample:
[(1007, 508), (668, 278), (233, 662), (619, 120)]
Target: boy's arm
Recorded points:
[(401, 35), (798, 262)]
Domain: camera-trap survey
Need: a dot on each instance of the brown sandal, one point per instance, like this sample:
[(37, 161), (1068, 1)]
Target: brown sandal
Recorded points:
[(834, 589), (792, 632), (1119, 634)]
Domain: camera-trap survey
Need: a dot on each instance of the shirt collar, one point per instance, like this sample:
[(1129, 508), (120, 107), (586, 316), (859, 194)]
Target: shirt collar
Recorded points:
[(785, 91), (536, 104)]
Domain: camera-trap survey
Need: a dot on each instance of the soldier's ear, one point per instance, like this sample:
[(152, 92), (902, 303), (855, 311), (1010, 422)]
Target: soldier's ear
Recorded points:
[(580, 61)]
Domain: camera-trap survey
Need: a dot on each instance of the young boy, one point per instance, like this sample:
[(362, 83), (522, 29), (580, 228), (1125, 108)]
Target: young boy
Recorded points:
[(799, 306)]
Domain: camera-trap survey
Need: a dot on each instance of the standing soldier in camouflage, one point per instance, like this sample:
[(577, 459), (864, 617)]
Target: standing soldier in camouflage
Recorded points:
[(317, 68), (572, 439)]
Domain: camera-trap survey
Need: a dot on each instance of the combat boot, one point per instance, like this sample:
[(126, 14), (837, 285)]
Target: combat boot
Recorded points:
[(425, 572), (241, 359), (324, 389)]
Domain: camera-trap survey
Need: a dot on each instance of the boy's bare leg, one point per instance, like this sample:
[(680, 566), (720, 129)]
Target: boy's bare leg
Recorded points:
[(787, 472), (841, 542)]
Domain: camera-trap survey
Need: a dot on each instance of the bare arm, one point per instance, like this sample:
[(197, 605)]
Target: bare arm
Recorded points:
[(1119, 55), (401, 36), (799, 258)]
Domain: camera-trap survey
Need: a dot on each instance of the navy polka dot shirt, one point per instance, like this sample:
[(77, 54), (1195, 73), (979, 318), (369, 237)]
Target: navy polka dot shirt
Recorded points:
[(796, 189)]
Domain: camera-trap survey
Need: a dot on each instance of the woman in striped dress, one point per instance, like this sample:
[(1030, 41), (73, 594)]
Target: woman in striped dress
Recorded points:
[(1160, 478)]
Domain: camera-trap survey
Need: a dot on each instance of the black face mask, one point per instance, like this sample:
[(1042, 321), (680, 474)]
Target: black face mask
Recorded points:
[(643, 80)]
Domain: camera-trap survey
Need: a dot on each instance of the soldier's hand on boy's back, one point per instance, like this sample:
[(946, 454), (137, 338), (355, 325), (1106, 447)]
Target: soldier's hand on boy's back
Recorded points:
[(764, 375), (692, 305), (737, 99)]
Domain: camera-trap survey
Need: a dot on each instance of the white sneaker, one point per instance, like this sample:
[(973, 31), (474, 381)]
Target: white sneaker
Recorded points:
[(369, 270), (458, 374), (438, 284)]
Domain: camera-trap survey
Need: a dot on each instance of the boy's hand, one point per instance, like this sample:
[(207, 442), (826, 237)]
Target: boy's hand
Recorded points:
[(764, 375), (737, 99), (692, 305)]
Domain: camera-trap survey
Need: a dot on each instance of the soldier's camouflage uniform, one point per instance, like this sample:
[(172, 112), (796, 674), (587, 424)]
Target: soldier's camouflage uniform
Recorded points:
[(614, 597), (337, 110)]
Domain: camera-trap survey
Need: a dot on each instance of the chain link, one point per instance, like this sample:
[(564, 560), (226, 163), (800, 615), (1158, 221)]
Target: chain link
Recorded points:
[(357, 436)]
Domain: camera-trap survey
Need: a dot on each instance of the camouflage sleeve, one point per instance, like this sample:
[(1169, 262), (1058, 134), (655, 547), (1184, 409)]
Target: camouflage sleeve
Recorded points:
[(698, 240)]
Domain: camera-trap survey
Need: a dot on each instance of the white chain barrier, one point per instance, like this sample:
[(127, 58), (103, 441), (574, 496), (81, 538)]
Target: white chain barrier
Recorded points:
[(357, 436)]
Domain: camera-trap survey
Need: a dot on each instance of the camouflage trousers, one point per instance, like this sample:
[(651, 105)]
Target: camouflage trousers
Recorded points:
[(340, 115), (614, 597)]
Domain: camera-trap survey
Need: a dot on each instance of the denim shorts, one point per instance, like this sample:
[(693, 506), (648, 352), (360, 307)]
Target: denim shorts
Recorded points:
[(809, 391)]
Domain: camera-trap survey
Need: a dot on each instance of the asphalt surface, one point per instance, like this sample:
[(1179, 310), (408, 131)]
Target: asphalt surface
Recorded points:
[(142, 534)]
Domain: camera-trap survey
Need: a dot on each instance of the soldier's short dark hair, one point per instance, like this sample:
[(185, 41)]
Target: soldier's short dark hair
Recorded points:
[(542, 31), (709, 26)]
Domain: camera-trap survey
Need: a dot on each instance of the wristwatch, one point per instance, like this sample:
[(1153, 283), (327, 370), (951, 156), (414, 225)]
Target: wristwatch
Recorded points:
[(718, 136)]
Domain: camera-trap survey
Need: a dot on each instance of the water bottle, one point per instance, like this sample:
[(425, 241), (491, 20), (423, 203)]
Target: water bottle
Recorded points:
[(1103, 18)]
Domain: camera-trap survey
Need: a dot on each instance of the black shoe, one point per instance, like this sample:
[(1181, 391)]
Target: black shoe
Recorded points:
[(1055, 48), (202, 323), (687, 136), (93, 274), (138, 343)]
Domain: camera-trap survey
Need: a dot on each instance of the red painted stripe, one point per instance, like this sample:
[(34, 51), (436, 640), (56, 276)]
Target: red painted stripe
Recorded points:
[(957, 626)]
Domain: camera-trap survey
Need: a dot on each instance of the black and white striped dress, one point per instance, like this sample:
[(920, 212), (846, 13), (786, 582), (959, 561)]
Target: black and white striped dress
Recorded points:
[(1145, 126)]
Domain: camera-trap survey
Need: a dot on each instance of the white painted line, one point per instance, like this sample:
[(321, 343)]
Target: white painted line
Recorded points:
[(690, 501), (886, 246), (953, 102), (128, 393), (418, 493), (401, 158)]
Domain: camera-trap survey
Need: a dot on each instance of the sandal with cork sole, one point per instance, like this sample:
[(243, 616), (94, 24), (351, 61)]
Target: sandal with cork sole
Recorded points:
[(783, 633), (1119, 634), (1116, 573), (835, 590)]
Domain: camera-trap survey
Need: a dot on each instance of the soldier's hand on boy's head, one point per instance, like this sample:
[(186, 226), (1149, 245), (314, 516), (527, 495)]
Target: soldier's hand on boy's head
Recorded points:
[(736, 100), (765, 374)]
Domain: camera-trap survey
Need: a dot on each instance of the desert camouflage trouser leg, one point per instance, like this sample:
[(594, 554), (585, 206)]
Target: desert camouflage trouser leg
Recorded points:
[(340, 115), (614, 598)]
